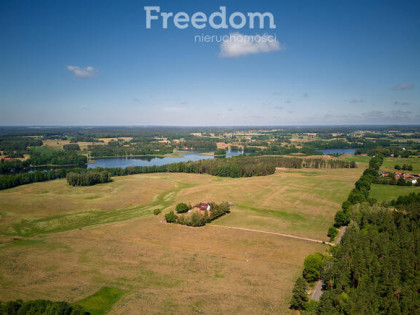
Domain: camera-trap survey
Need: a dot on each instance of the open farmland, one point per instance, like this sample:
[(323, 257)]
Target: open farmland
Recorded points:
[(101, 245), (391, 192), (389, 164)]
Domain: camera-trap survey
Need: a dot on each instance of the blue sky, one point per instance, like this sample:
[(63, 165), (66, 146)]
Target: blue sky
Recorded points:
[(95, 63)]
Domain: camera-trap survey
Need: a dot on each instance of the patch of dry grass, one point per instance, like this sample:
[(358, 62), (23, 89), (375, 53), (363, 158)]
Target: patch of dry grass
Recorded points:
[(167, 268), (164, 268)]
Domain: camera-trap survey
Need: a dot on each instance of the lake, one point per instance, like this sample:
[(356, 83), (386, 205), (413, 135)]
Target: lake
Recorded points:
[(124, 162), (337, 151)]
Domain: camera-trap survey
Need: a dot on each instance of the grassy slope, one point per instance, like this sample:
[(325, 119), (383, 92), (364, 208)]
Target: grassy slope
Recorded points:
[(300, 202), (164, 268)]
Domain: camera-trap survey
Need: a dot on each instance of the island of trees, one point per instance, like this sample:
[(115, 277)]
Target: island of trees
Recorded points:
[(198, 215)]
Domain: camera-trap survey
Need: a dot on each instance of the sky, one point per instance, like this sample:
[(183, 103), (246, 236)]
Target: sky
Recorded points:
[(95, 62)]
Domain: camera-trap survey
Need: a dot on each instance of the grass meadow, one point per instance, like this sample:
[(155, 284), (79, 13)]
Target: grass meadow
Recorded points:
[(102, 247), (390, 192)]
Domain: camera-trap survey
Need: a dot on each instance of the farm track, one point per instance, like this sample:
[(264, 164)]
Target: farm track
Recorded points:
[(274, 233)]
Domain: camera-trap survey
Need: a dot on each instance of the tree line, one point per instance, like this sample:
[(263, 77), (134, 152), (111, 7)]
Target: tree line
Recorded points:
[(57, 158), (13, 166), (201, 144), (240, 166), (359, 194), (13, 180), (20, 307), (119, 148), (374, 269), (88, 179)]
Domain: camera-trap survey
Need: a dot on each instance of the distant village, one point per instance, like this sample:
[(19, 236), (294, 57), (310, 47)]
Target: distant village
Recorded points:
[(414, 178)]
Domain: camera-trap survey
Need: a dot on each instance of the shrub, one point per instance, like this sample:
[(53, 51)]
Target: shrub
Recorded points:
[(346, 205), (332, 233), (71, 147), (313, 266), (182, 207), (299, 298), (197, 219), (220, 153), (157, 211), (171, 217), (341, 218)]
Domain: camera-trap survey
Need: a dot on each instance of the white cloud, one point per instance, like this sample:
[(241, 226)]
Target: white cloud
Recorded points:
[(403, 87), (81, 73), (241, 45)]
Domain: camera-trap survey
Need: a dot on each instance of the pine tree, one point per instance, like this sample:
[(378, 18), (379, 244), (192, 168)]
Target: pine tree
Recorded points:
[(299, 297)]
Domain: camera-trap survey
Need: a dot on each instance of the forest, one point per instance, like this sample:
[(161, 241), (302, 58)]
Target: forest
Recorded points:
[(375, 268), (58, 158), (132, 148), (13, 180), (240, 166)]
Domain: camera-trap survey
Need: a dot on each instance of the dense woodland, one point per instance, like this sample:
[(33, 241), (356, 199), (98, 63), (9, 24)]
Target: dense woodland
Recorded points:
[(58, 158), (203, 144), (132, 148), (374, 270), (17, 146), (240, 166), (13, 180)]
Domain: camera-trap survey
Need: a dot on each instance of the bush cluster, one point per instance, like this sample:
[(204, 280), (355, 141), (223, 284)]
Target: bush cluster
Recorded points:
[(195, 218), (88, 178)]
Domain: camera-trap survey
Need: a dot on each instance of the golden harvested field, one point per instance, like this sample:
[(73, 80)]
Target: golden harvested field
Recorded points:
[(65, 243)]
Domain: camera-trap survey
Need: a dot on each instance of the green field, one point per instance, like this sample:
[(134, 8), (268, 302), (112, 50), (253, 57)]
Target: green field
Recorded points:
[(390, 192), (356, 158), (102, 247), (389, 163), (102, 301)]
